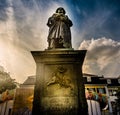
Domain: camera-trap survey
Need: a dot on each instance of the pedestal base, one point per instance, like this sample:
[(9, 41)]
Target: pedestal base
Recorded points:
[(59, 88)]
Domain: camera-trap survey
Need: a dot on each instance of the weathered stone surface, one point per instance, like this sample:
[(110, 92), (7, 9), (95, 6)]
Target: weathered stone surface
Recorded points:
[(59, 87)]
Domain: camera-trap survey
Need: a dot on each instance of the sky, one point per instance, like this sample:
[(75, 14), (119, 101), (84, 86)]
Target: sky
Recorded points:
[(96, 28)]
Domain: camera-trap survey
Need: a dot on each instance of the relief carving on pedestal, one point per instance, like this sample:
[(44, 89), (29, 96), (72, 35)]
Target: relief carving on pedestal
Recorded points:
[(59, 77)]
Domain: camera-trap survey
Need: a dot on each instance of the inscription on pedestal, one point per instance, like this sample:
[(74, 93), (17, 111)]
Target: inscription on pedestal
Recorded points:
[(59, 102)]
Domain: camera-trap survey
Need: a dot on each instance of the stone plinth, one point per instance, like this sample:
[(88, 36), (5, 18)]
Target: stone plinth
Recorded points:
[(59, 87)]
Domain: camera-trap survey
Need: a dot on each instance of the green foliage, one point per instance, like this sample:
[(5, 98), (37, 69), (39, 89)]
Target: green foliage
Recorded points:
[(6, 82)]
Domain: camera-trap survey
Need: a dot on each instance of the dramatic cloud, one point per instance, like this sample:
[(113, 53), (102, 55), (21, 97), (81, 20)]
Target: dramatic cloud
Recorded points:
[(16, 60), (103, 57), (23, 29)]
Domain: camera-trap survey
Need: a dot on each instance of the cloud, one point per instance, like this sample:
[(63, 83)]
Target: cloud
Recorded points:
[(103, 57), (30, 20), (96, 19), (16, 60), (23, 30), (3, 6)]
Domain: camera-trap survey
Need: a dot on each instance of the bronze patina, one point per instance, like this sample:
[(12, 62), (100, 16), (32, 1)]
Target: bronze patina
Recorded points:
[(59, 30)]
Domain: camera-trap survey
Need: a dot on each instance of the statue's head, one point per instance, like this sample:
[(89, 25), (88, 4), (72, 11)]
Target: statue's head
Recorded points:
[(60, 10)]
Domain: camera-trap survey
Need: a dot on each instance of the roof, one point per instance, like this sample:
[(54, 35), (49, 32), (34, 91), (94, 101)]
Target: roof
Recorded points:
[(91, 75), (29, 81)]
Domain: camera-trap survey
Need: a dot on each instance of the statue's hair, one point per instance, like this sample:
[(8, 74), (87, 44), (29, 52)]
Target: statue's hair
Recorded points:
[(60, 8)]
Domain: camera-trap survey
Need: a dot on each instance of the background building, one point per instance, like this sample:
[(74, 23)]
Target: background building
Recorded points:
[(95, 86)]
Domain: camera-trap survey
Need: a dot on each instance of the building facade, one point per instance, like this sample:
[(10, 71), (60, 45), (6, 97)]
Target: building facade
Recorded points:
[(100, 93)]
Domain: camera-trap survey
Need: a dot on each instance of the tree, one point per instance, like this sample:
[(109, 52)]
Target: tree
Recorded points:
[(7, 86), (6, 82)]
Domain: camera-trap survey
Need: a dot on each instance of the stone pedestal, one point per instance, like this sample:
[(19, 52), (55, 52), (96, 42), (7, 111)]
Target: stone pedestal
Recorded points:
[(59, 87)]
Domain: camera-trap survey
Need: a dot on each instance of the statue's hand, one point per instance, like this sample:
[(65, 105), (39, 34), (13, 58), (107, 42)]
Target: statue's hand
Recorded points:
[(57, 17), (60, 17), (64, 18)]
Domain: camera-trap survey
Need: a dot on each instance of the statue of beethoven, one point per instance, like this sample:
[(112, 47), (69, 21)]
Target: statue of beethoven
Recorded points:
[(59, 30)]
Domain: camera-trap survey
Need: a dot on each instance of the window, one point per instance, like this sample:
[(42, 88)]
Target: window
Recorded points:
[(119, 81), (112, 92), (89, 79), (101, 90), (109, 81), (91, 89)]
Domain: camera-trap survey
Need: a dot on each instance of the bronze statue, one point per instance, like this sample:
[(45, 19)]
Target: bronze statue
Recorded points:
[(59, 30)]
